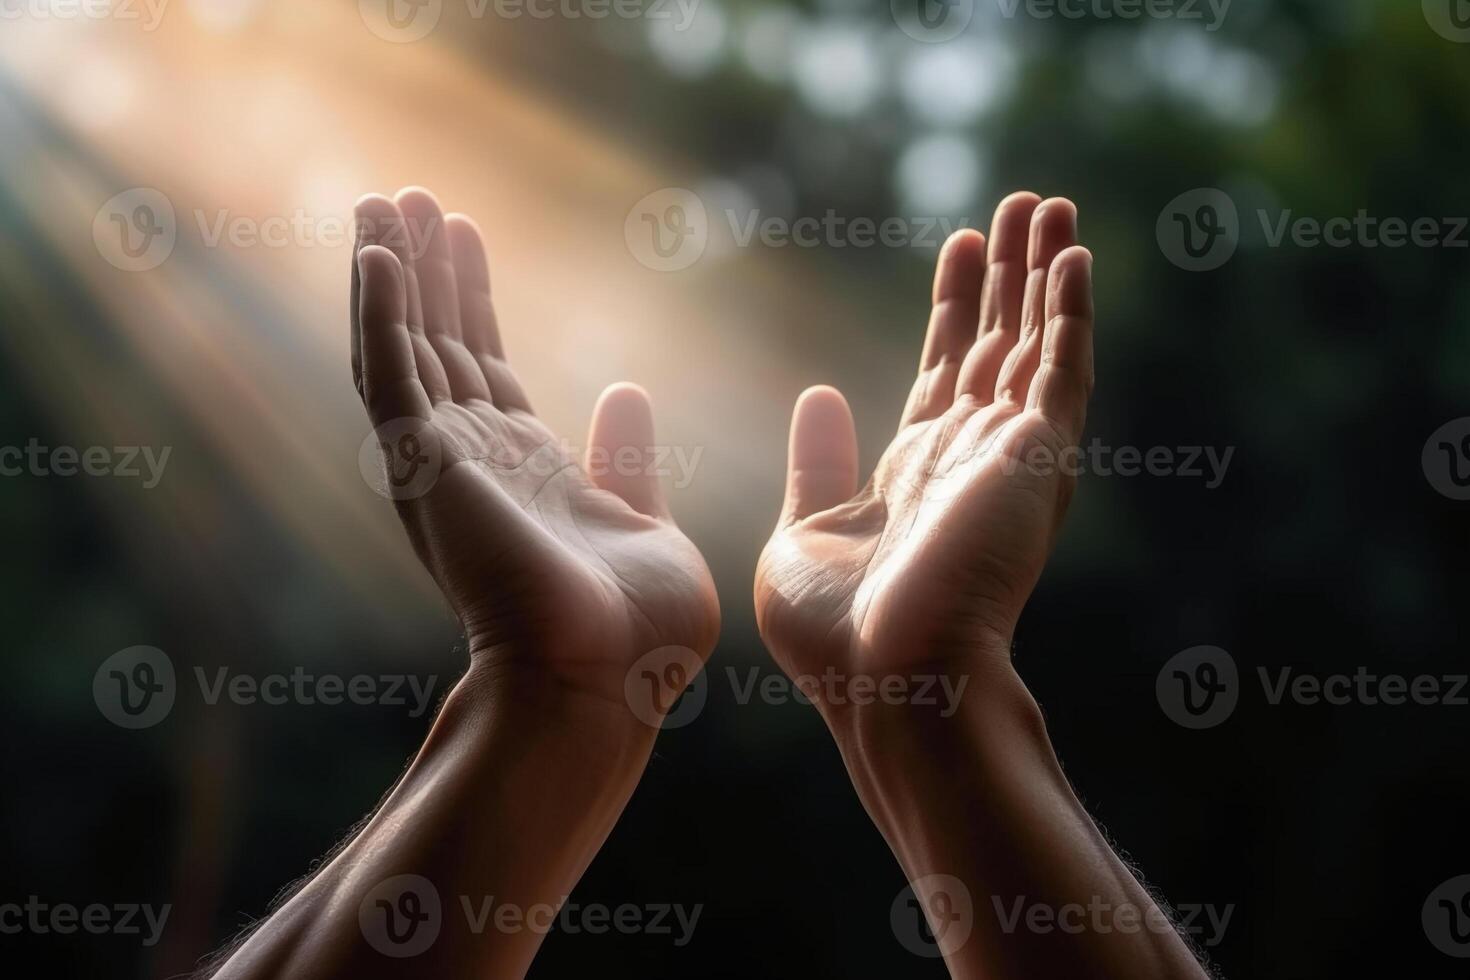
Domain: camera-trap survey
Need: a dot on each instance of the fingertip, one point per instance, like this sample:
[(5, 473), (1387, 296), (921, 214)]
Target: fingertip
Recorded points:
[(424, 218), (963, 242), (376, 258), (416, 197), (468, 247), (1019, 199), (1077, 259), (1053, 229), (822, 454), (822, 424), (960, 270), (463, 230), (1071, 282), (623, 416), (373, 202), (1010, 230), (823, 399), (377, 219), (626, 397), (622, 425)]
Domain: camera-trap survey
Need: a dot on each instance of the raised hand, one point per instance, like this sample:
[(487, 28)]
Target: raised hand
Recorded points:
[(564, 577), (922, 574), (932, 561), (564, 570)]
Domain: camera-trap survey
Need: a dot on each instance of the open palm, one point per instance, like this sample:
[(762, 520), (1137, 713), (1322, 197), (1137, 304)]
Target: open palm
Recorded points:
[(935, 557), (574, 569)]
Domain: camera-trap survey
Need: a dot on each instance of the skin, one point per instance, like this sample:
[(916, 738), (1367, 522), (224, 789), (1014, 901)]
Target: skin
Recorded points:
[(568, 577), (923, 573), (565, 577)]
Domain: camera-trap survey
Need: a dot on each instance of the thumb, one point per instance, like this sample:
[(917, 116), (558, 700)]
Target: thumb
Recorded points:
[(620, 449), (822, 461)]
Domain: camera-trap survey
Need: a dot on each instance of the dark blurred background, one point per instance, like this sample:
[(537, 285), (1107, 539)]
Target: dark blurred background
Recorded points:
[(1335, 542)]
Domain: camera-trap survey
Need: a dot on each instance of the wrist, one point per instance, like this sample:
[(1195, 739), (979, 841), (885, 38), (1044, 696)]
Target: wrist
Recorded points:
[(984, 723), (506, 700)]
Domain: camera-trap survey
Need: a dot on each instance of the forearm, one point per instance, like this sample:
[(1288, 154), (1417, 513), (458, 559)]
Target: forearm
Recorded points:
[(979, 796), (515, 789)]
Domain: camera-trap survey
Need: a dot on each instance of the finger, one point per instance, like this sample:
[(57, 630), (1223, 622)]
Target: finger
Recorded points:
[(353, 301), (1000, 300), (472, 272), (1053, 229), (621, 450), (1064, 382), (381, 223), (390, 381), (477, 315), (433, 257), (822, 460), (958, 278)]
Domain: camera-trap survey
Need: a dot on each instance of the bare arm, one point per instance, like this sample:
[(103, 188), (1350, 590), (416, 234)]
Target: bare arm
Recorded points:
[(567, 579), (919, 577)]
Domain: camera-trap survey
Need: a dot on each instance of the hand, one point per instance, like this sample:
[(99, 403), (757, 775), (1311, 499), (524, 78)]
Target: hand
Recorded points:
[(563, 579), (926, 569), (934, 558), (568, 572)]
